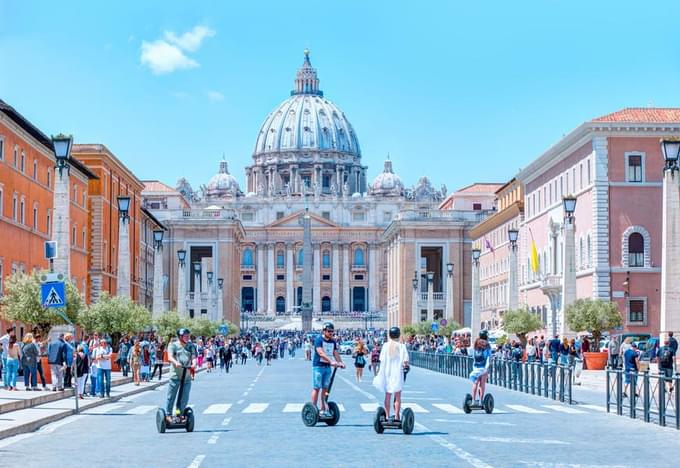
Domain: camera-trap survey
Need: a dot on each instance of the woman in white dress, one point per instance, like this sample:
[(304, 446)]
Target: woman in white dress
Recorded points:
[(390, 378)]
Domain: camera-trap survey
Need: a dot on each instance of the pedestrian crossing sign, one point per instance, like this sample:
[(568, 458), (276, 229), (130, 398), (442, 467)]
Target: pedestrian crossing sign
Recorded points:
[(53, 294)]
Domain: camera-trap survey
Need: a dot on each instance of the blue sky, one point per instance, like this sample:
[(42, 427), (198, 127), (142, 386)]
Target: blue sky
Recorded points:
[(459, 91)]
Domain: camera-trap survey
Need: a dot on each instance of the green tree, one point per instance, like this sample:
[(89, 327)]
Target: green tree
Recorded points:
[(204, 327), (594, 316), (409, 330), (22, 302), (168, 323), (115, 316), (520, 322)]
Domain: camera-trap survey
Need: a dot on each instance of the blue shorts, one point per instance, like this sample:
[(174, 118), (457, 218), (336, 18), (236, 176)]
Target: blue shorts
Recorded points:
[(321, 376)]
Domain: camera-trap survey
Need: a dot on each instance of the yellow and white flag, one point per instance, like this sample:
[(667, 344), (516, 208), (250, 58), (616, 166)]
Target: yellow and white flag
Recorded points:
[(533, 253)]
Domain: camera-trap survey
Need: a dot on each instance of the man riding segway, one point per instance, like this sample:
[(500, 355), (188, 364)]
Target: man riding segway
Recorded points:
[(182, 357)]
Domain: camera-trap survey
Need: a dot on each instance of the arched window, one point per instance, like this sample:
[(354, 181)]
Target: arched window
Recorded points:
[(326, 259), (247, 259), (280, 305), (325, 304), (359, 257), (280, 259), (636, 250), (301, 257)]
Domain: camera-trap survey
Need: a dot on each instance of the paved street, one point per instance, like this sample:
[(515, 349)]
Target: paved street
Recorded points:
[(251, 417)]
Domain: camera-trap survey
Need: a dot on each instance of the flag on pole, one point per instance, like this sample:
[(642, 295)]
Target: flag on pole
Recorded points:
[(488, 245), (533, 253)]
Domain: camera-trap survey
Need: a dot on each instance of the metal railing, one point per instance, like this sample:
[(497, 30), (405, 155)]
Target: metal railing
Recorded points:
[(541, 379), (652, 398)]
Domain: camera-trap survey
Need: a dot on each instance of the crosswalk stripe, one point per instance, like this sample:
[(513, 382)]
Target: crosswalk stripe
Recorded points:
[(293, 407), (564, 409), (255, 408), (143, 409), (595, 408), (525, 409), (369, 407), (220, 408), (448, 408), (415, 407), (341, 407), (105, 408)]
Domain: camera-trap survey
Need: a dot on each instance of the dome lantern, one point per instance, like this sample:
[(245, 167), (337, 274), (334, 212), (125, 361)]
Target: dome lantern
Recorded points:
[(306, 81)]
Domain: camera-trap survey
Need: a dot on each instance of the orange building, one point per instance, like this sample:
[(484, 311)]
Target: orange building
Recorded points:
[(27, 177), (114, 180)]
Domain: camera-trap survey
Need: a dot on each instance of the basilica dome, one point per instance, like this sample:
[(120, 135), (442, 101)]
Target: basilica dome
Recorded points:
[(307, 121), (388, 183), (222, 184)]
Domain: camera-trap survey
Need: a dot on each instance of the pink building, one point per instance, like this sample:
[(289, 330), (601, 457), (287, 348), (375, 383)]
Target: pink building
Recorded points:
[(614, 167)]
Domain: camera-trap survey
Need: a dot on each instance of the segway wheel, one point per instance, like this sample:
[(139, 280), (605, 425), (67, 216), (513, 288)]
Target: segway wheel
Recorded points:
[(335, 413), (487, 403), (310, 415), (408, 421), (160, 420), (189, 414), (467, 404), (378, 420)]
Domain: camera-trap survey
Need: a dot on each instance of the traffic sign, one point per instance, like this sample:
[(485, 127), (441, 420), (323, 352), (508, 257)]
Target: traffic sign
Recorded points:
[(53, 294), (50, 249), (52, 277), (224, 329), (443, 322), (435, 327)]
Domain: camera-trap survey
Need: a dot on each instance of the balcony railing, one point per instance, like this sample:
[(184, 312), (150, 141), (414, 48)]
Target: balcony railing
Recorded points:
[(443, 215), (247, 267), (359, 267), (437, 296)]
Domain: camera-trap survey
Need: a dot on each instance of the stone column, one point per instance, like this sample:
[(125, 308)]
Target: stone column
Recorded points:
[(211, 311), (513, 292), (123, 288), (415, 312), (670, 255), (290, 271), (158, 303), (316, 271), (271, 299), (569, 273), (476, 301), (61, 222), (182, 289), (345, 278), (335, 293), (372, 276), (260, 272), (197, 294), (220, 303), (450, 307), (430, 299)]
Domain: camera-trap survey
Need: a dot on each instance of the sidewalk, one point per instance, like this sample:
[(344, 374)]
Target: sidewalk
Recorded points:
[(23, 411)]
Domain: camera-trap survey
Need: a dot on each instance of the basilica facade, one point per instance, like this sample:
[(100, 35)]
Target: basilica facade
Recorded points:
[(374, 242)]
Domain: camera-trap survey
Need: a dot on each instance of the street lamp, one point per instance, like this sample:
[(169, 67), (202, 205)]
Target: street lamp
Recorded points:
[(181, 257), (197, 268), (475, 255), (220, 283), (415, 284), (513, 298), (513, 234), (124, 208), (62, 150), (430, 276), (158, 238), (671, 153), (569, 204), (449, 269), (209, 275)]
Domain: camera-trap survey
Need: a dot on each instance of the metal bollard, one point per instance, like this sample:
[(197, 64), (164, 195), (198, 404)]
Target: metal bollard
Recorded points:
[(633, 394), (553, 386), (647, 414), (676, 382), (569, 385), (662, 401), (545, 380), (619, 392), (608, 386), (562, 384)]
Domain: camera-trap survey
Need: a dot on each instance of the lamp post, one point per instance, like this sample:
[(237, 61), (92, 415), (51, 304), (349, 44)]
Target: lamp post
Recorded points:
[(197, 289), (157, 307), (450, 313), (476, 295), (569, 256), (123, 246), (430, 295), (211, 311), (670, 241), (220, 299), (513, 234), (181, 282), (61, 219), (414, 312)]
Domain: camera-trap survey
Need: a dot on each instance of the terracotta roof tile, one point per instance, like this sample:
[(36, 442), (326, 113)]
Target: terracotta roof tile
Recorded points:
[(643, 115), (156, 186), (480, 188)]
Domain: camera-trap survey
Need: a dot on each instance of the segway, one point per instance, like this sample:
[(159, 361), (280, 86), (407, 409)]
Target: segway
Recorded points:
[(486, 405), (185, 420), (311, 415), (406, 423)]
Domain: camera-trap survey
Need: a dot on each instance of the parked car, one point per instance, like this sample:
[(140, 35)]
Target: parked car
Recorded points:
[(347, 347)]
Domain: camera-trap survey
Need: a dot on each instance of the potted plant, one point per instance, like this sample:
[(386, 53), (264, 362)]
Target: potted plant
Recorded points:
[(521, 322), (594, 316)]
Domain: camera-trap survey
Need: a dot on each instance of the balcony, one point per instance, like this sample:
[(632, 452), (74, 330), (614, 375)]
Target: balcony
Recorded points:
[(245, 267), (442, 215), (359, 267), (437, 296)]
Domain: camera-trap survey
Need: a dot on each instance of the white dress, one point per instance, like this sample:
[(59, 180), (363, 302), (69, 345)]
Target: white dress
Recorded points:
[(390, 378)]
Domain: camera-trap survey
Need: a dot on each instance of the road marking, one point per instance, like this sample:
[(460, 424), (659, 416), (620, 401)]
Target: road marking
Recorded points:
[(240, 402), (415, 407), (143, 409), (525, 409), (218, 408), (512, 440), (453, 448), (104, 409), (448, 408), (197, 461), (226, 421), (413, 391), (255, 408), (595, 408), (213, 438), (369, 407), (425, 398), (341, 407), (564, 409), (293, 407), (467, 421), (134, 397), (245, 394)]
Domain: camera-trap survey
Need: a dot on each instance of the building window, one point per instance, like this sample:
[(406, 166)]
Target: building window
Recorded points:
[(326, 215), (49, 178), (2, 203), (634, 168), (300, 257), (280, 277), (477, 206), (84, 236), (35, 218), (16, 156), (23, 211), (247, 216), (35, 169), (247, 259), (279, 214), (49, 222), (23, 162), (387, 216), (2, 278), (74, 239), (637, 311), (636, 250), (14, 206), (581, 254), (358, 277), (358, 216), (326, 259), (325, 304), (280, 259), (359, 257), (2, 148), (326, 277)]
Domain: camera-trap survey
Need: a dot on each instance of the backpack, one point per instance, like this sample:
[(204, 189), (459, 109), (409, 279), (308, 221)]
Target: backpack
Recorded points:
[(666, 358)]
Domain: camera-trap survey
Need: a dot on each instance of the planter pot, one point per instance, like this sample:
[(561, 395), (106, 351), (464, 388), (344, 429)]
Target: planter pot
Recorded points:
[(46, 370), (595, 361)]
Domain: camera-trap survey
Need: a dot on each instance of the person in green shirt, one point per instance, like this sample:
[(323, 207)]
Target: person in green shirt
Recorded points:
[(181, 355)]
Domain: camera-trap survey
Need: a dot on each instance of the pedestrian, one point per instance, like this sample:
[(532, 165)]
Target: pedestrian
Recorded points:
[(29, 362), (573, 353), (158, 361), (103, 356), (375, 358), (12, 363), (122, 358), (244, 354), (69, 350), (625, 345), (135, 361), (554, 345), (390, 378), (666, 360), (56, 357), (42, 347), (199, 350), (360, 359), (82, 368), (4, 342), (94, 366), (673, 343), (268, 353), (308, 349), (631, 359), (209, 353), (531, 350), (613, 351), (145, 367)]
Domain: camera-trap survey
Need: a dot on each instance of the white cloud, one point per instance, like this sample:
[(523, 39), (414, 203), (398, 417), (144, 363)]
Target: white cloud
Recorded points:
[(191, 40), (215, 96), (167, 55), (162, 57)]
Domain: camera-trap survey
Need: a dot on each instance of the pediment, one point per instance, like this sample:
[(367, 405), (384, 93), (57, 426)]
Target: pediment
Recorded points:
[(292, 221)]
